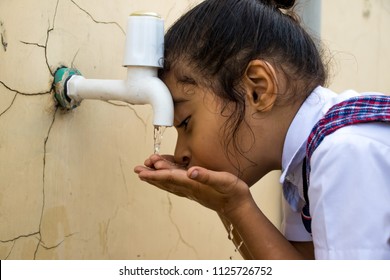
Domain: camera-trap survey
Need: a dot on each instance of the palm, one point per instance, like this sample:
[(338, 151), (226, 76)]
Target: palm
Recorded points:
[(219, 191)]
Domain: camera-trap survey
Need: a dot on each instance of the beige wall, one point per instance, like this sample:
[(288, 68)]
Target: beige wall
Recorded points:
[(67, 187), (67, 190), (357, 36)]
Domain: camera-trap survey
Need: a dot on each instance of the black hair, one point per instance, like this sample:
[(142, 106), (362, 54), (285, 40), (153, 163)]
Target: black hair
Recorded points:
[(218, 38)]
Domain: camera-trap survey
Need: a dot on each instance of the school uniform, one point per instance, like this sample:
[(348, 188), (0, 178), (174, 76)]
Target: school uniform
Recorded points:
[(349, 184)]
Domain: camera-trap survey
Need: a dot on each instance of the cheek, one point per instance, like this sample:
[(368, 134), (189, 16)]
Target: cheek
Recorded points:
[(207, 150)]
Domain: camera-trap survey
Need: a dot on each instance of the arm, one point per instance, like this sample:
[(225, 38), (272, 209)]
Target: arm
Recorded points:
[(230, 198), (262, 238), (236, 239), (306, 249)]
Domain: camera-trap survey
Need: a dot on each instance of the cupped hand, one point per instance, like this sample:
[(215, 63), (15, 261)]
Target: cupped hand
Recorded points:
[(219, 191)]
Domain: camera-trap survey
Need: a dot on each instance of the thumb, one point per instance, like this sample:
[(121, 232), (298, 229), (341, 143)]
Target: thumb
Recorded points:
[(212, 178), (197, 173)]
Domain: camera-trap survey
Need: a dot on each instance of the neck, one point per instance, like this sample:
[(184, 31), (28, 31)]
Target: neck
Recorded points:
[(270, 132)]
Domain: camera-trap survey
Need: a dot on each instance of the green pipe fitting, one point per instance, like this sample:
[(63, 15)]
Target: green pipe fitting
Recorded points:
[(61, 77)]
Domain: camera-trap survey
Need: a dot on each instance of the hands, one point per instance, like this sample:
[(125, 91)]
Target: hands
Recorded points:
[(219, 191), (229, 197)]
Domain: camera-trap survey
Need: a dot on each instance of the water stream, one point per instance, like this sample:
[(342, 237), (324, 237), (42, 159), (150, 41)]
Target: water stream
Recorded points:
[(158, 135)]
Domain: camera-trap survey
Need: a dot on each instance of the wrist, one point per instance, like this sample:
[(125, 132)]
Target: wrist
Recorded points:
[(244, 210)]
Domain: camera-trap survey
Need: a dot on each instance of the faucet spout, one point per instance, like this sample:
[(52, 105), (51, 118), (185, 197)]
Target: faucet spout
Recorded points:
[(146, 88)]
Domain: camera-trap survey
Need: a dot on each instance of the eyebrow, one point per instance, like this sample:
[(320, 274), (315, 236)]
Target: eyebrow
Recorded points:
[(186, 80), (179, 100), (183, 79)]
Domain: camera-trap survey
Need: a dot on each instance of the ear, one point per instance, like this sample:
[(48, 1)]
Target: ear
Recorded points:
[(261, 85)]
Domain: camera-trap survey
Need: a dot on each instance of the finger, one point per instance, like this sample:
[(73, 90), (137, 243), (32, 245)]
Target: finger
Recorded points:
[(151, 160), (171, 176), (172, 180), (161, 162), (138, 169), (172, 188), (165, 162), (221, 181)]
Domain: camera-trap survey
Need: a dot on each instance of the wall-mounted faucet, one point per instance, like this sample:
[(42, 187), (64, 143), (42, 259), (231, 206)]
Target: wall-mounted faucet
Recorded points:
[(143, 56)]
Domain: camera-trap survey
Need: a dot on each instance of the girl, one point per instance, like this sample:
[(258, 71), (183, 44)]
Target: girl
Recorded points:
[(247, 83)]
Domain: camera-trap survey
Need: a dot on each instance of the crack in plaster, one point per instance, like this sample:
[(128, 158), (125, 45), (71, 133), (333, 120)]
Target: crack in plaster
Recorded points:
[(131, 108), (13, 240), (74, 58), (19, 237), (104, 236), (45, 46), (124, 178), (96, 21), (40, 243), (56, 245), (9, 107), (3, 35), (17, 92), (10, 251), (26, 93), (181, 238), (4, 43), (34, 44)]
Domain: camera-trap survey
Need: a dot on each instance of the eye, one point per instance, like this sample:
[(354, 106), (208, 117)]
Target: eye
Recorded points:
[(184, 123)]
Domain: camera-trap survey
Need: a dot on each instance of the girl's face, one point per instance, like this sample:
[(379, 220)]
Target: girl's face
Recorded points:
[(199, 123)]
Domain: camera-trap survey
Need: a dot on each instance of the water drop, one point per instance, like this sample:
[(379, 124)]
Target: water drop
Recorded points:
[(239, 245), (230, 232)]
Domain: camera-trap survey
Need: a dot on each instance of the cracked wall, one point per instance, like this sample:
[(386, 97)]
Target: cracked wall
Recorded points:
[(67, 189)]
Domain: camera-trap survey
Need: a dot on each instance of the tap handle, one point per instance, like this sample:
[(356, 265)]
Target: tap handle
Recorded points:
[(144, 40)]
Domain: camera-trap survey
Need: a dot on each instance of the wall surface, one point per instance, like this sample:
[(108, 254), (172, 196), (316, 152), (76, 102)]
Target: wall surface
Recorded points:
[(67, 187), (356, 36)]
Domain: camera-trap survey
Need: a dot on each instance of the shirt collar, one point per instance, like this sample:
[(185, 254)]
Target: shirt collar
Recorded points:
[(312, 109)]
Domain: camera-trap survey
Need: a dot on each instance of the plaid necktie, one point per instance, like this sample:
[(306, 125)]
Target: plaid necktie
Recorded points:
[(360, 109)]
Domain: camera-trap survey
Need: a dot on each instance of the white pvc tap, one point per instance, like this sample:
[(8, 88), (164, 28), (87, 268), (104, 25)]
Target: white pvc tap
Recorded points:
[(143, 56)]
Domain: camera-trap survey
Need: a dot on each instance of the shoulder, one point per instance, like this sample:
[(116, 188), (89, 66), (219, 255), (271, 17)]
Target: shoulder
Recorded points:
[(353, 149), (364, 138), (349, 181), (350, 160)]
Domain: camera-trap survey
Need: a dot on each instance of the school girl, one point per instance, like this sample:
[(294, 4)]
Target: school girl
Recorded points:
[(248, 85)]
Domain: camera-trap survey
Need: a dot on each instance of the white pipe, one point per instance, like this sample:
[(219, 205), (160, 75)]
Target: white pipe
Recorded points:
[(141, 87)]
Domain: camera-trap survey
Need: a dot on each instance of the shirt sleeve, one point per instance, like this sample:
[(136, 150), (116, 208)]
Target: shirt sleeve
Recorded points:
[(349, 195)]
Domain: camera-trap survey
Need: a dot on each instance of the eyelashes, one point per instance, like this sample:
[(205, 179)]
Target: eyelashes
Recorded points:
[(184, 123)]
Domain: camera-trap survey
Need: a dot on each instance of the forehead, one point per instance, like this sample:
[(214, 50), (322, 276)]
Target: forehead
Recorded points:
[(180, 79), (186, 83)]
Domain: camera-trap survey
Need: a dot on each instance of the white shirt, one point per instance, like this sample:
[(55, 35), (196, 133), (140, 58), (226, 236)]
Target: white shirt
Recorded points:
[(349, 189)]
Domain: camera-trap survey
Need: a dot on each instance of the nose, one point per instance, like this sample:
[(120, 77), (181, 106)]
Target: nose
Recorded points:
[(182, 154)]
